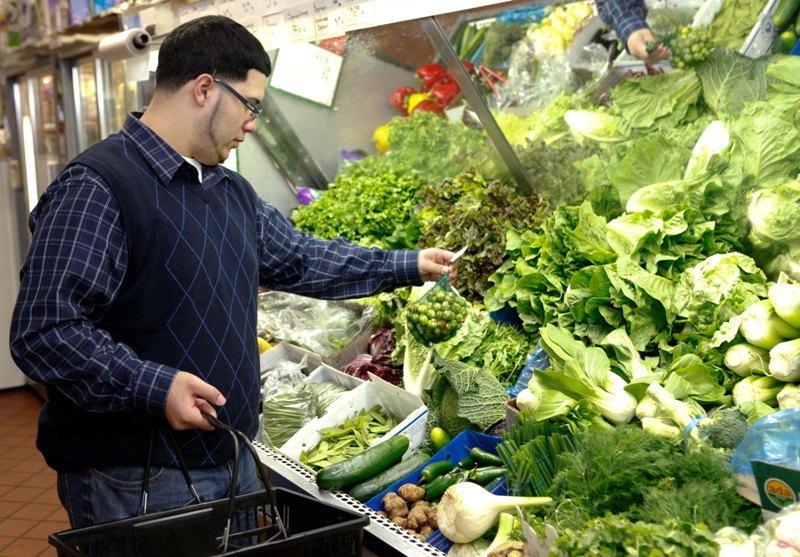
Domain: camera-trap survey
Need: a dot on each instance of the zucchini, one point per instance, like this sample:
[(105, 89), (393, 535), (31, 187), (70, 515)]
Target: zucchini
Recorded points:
[(363, 466), (368, 489), (785, 13)]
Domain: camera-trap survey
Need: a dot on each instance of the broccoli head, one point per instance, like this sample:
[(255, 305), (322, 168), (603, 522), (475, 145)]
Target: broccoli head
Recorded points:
[(724, 429)]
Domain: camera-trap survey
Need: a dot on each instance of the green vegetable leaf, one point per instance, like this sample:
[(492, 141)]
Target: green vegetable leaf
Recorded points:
[(731, 80)]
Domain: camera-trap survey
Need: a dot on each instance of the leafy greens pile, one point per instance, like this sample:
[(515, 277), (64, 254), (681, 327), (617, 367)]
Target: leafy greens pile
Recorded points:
[(469, 211), (624, 490), (367, 203)]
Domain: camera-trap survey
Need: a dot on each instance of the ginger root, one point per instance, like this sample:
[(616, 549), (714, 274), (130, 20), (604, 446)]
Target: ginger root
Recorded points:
[(417, 518), (394, 505), (411, 492)]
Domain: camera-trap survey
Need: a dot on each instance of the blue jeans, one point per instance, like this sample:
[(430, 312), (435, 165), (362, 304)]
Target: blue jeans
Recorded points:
[(94, 496)]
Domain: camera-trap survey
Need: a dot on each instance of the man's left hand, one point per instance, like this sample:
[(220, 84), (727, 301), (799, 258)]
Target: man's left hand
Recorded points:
[(433, 263)]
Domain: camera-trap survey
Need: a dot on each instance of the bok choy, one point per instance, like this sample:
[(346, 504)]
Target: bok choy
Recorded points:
[(762, 326), (745, 359), (784, 361), (585, 374), (785, 298)]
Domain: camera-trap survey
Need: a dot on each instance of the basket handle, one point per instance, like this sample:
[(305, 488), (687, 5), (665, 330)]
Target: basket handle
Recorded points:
[(181, 463), (235, 433)]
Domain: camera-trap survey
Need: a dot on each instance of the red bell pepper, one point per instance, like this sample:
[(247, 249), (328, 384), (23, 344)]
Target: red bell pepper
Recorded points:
[(444, 91), (469, 66), (429, 74), (428, 106), (399, 98)]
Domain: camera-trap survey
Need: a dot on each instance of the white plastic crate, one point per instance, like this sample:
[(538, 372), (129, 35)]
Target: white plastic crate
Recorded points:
[(376, 391)]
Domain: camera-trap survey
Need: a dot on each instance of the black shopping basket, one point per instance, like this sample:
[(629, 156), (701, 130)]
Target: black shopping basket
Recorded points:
[(274, 521)]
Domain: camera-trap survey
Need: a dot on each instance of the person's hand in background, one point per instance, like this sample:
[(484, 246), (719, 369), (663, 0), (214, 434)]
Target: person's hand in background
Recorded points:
[(637, 46)]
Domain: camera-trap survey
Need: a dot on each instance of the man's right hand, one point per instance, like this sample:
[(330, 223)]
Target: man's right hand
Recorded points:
[(637, 46), (187, 397)]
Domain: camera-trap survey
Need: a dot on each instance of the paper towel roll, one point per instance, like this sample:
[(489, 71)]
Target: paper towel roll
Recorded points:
[(123, 45)]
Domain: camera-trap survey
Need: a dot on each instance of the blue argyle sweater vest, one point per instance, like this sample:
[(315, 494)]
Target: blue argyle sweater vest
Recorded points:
[(188, 300)]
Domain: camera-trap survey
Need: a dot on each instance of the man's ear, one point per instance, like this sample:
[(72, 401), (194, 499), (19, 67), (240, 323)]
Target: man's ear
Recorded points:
[(201, 89)]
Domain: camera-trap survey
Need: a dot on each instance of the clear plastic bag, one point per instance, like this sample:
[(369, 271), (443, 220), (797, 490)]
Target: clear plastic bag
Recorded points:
[(777, 537), (322, 326), (438, 314), (289, 403)]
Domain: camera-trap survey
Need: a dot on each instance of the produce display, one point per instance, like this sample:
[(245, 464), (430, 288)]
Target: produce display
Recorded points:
[(656, 267), (350, 438)]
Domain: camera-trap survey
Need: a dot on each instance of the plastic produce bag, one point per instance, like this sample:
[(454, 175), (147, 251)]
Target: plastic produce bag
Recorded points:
[(777, 537), (326, 393), (773, 439), (538, 360), (438, 314), (322, 326), (289, 402)]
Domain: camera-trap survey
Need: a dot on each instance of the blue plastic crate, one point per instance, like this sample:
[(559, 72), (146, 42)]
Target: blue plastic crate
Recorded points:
[(455, 450)]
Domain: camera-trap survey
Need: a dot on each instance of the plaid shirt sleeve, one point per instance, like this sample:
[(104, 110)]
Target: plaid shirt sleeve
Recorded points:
[(294, 261), (72, 273), (624, 16)]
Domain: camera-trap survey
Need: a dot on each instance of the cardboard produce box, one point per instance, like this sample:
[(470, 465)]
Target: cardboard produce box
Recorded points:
[(285, 352), (399, 402)]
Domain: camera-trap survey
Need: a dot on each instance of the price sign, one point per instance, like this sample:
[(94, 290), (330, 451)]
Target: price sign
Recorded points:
[(198, 9), (226, 8), (328, 19), (272, 32), (358, 13), (299, 21), (307, 71)]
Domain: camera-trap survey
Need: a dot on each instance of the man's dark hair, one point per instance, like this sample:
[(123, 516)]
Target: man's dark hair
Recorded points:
[(212, 44)]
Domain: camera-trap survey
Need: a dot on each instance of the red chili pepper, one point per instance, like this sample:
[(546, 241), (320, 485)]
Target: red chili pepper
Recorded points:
[(399, 98), (429, 74), (428, 106), (444, 92)]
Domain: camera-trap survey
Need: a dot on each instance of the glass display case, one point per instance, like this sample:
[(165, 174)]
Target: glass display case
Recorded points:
[(314, 125), (85, 85)]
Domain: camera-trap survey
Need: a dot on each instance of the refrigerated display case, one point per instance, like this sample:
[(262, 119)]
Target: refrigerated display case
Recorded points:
[(117, 96), (39, 115), (87, 110)]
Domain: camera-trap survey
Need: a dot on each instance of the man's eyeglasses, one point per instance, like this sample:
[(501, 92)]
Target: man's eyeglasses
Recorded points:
[(254, 110)]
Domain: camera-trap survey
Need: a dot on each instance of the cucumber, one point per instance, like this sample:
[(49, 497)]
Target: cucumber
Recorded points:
[(785, 13), (797, 25), (363, 466), (368, 489)]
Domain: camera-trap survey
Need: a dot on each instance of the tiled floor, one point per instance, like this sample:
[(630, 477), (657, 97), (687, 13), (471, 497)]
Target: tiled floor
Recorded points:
[(29, 506)]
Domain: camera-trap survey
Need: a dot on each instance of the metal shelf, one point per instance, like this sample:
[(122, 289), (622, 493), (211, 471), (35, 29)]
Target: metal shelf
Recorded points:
[(299, 477)]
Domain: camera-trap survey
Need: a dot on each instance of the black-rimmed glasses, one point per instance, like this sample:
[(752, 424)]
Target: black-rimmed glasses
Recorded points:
[(254, 110)]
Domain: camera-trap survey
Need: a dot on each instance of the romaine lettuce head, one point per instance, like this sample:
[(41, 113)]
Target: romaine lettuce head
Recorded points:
[(714, 141), (594, 125), (774, 215)]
